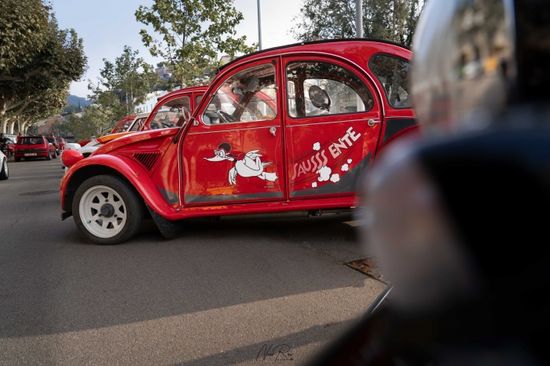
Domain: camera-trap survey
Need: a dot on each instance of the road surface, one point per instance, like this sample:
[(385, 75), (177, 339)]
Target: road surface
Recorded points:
[(222, 293)]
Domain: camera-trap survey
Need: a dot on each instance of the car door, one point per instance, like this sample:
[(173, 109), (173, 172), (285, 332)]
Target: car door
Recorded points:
[(233, 153), (333, 123)]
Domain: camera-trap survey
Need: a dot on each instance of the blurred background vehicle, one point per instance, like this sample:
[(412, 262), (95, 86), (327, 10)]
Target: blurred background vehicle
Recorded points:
[(68, 147), (31, 147), (4, 170)]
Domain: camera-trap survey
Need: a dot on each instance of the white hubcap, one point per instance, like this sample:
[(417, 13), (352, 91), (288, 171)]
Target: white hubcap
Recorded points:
[(102, 211)]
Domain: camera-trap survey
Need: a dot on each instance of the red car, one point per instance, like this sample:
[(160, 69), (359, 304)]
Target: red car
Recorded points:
[(124, 124), (285, 129), (60, 143), (30, 147)]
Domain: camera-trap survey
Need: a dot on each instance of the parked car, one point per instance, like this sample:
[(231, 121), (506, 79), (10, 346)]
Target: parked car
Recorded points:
[(30, 147), (61, 143), (69, 146), (89, 148), (4, 170), (124, 124), (52, 140), (137, 120), (286, 129), (163, 117), (11, 143)]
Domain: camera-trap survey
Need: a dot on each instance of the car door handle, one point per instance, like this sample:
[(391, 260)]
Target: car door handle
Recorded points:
[(373, 122), (273, 131)]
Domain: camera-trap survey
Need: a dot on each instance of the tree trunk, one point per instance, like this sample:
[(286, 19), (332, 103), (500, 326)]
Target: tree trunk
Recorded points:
[(11, 125)]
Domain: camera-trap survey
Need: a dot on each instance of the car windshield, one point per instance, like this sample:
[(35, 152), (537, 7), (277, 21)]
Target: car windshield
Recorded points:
[(31, 140), (138, 124)]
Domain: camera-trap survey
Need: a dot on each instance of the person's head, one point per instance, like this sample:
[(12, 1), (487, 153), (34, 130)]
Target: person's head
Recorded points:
[(476, 59)]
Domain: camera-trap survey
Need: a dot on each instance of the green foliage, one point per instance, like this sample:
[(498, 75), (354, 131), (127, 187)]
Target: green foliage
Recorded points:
[(94, 121), (193, 34), (123, 84), (23, 29), (393, 20), (38, 61)]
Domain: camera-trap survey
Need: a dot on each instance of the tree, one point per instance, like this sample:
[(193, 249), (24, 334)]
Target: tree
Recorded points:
[(123, 83), (193, 34), (93, 121), (393, 20), (38, 61), (23, 30)]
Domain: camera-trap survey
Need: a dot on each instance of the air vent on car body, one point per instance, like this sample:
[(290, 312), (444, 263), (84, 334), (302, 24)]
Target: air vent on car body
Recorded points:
[(148, 160)]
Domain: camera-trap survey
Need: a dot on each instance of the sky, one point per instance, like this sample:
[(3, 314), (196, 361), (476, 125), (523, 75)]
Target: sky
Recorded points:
[(107, 25)]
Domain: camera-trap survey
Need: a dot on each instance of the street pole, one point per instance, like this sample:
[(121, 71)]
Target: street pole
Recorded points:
[(358, 18), (259, 26)]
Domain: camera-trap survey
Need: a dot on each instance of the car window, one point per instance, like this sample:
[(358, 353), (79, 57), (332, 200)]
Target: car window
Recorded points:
[(171, 113), (322, 88), (138, 124), (247, 96), (393, 74), (31, 140)]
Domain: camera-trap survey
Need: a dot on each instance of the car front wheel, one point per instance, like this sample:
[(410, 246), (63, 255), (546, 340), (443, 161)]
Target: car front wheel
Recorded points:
[(107, 210)]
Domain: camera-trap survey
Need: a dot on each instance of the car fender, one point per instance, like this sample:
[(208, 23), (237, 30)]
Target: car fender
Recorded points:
[(122, 166)]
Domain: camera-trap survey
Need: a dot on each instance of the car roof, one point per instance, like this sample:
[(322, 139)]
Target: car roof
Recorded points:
[(354, 49)]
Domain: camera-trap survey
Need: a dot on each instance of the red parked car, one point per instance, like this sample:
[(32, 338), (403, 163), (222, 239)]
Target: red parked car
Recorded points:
[(124, 124), (61, 142), (31, 147), (285, 129)]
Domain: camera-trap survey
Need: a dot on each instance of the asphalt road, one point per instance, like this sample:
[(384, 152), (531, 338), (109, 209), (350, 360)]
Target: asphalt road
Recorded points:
[(217, 295)]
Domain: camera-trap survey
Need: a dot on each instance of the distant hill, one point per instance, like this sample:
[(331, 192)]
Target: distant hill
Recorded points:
[(76, 101)]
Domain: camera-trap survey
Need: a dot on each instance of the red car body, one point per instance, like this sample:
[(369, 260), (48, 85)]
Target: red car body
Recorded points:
[(123, 124), (30, 147), (286, 152)]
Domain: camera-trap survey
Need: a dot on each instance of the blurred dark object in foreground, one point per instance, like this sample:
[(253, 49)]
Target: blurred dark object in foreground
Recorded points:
[(494, 188), (458, 220)]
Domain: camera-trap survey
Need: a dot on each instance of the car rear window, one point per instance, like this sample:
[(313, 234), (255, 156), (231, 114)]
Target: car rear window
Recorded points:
[(30, 140), (393, 73)]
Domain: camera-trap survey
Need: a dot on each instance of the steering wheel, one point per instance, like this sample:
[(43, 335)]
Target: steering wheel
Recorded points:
[(226, 117)]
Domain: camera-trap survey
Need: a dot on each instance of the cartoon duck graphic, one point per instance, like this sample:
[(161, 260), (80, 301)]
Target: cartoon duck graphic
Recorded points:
[(248, 165)]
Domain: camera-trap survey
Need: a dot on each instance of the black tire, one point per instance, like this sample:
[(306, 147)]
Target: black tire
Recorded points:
[(4, 171), (17, 159), (134, 206)]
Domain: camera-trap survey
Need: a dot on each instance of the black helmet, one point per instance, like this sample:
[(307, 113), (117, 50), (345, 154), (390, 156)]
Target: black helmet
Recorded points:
[(476, 58)]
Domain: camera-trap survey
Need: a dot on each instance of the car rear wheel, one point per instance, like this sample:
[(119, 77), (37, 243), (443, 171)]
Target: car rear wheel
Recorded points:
[(106, 210), (4, 171)]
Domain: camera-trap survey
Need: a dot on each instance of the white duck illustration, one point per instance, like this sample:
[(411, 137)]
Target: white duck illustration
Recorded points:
[(250, 165)]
